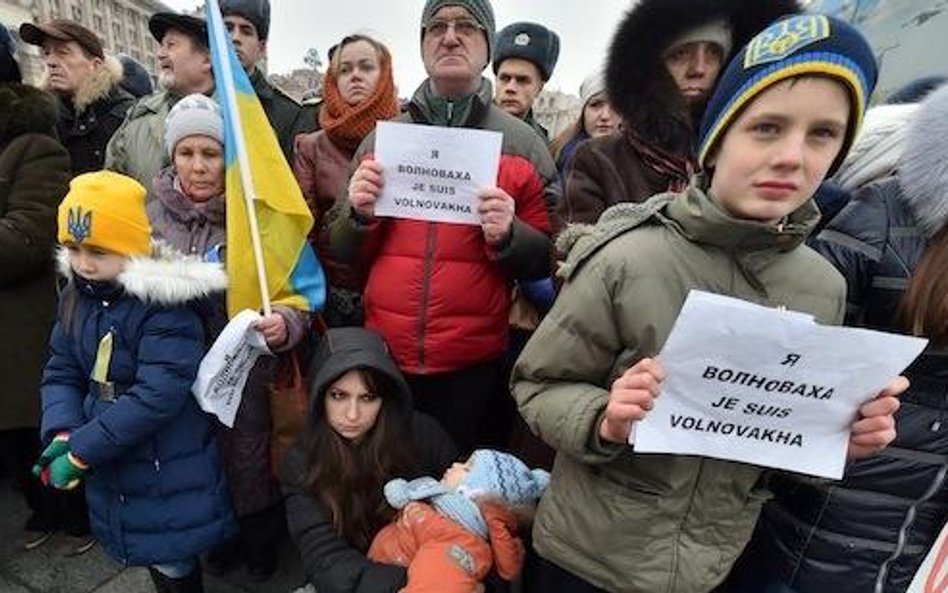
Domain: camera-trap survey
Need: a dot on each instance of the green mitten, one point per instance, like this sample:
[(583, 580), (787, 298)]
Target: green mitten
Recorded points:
[(66, 471), (57, 448)]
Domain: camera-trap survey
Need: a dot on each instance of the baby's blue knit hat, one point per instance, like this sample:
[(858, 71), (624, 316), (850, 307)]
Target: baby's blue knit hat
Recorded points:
[(492, 473), (501, 474)]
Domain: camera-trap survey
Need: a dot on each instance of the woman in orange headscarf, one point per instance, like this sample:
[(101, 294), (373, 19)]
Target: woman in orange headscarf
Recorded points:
[(358, 91)]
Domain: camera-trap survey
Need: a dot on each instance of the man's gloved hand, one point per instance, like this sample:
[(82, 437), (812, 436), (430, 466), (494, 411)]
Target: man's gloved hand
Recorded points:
[(57, 448)]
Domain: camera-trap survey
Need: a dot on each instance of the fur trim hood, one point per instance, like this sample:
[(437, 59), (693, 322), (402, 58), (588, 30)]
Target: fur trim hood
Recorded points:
[(98, 86), (165, 278), (878, 146), (638, 84), (923, 166), (25, 110)]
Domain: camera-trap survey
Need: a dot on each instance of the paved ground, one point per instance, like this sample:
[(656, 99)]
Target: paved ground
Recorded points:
[(46, 570)]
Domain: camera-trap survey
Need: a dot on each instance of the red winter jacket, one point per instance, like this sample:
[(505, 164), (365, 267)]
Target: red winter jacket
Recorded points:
[(437, 292)]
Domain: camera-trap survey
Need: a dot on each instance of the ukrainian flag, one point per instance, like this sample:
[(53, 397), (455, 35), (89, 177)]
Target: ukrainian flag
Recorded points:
[(281, 266)]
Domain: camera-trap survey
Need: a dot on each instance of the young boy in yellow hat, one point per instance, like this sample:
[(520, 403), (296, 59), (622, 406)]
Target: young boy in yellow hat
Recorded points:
[(117, 406)]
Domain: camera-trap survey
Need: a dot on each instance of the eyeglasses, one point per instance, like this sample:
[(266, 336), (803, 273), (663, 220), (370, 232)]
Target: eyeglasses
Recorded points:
[(462, 27)]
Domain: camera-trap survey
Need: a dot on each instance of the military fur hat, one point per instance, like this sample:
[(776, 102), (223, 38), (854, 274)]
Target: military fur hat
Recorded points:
[(528, 41), (255, 11)]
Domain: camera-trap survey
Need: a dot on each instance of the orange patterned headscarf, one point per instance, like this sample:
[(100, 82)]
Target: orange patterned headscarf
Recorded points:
[(346, 125)]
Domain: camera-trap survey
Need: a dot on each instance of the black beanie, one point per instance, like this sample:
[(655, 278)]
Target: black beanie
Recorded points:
[(255, 11)]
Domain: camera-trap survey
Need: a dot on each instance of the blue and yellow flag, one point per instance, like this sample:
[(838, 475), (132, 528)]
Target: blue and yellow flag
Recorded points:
[(256, 167)]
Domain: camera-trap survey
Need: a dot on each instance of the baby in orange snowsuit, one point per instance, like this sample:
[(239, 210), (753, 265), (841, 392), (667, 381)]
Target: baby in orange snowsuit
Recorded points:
[(464, 527)]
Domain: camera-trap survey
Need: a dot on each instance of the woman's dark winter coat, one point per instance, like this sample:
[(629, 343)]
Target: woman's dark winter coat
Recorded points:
[(870, 532), (330, 563), (610, 170), (155, 489), (34, 177)]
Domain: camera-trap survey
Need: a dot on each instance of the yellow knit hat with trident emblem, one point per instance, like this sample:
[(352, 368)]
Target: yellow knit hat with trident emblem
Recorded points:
[(105, 210)]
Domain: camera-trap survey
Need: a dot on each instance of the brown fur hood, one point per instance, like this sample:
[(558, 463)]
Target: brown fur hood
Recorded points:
[(98, 86), (638, 84)]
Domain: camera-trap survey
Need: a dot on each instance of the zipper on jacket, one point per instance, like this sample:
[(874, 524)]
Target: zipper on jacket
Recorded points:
[(933, 489), (450, 111), (425, 292)]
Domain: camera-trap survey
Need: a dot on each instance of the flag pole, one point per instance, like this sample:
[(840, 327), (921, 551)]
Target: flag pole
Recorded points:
[(229, 94)]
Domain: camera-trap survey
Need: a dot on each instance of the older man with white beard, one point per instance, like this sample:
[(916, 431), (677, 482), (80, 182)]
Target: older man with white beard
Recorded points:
[(137, 149)]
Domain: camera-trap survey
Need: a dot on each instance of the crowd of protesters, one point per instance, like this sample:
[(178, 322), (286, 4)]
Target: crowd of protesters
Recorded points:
[(723, 145)]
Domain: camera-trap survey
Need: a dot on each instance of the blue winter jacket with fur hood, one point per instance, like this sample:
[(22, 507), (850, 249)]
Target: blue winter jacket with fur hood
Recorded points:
[(155, 488)]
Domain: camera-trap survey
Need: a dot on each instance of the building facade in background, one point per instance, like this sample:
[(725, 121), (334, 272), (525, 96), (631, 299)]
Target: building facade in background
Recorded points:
[(121, 24), (556, 111)]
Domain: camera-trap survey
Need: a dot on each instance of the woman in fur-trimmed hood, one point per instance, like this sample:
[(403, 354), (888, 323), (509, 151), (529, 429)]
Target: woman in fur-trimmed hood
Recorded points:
[(118, 412), (655, 151)]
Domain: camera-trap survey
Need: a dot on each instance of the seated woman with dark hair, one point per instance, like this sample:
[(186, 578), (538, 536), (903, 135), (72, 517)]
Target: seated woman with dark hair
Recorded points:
[(361, 433)]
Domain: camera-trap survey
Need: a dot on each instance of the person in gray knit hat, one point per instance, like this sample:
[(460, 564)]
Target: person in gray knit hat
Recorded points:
[(524, 60), (194, 115), (454, 348), (248, 22), (480, 10)]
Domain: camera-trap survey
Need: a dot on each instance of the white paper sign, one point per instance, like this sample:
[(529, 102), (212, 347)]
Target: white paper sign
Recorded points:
[(932, 575), (433, 172), (766, 386), (225, 368)]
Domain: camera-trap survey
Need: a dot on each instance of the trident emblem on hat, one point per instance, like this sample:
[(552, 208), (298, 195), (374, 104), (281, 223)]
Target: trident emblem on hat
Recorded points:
[(79, 224)]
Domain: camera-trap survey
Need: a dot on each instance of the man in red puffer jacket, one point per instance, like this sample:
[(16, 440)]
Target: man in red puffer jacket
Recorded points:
[(440, 293)]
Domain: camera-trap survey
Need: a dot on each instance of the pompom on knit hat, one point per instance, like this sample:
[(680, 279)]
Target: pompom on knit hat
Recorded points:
[(105, 210), (481, 10), (802, 45), (194, 115)]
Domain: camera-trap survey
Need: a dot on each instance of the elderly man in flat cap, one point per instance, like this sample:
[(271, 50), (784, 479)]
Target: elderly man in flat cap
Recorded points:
[(87, 85), (524, 60), (248, 22), (184, 60)]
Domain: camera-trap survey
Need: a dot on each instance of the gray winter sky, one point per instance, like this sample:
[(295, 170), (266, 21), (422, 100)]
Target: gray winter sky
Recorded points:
[(585, 28)]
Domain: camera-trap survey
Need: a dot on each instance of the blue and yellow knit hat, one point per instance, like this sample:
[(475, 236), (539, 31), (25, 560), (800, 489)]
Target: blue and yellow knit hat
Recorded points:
[(809, 44)]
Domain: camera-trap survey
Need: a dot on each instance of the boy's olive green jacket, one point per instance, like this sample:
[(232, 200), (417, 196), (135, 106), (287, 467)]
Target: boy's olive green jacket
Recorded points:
[(652, 523)]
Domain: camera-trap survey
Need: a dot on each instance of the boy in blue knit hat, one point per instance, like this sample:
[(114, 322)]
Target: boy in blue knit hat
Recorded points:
[(781, 119), (450, 533)]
